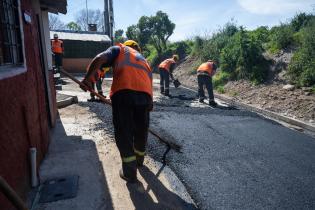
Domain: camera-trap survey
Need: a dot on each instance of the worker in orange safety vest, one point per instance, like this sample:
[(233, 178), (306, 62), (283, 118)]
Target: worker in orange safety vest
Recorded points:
[(204, 76), (101, 76), (58, 50), (166, 69), (131, 96)]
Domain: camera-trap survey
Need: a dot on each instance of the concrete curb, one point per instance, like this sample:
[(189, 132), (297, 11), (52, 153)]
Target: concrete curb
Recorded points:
[(67, 101), (267, 113)]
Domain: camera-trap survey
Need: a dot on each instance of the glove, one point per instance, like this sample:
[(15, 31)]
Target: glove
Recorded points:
[(87, 85)]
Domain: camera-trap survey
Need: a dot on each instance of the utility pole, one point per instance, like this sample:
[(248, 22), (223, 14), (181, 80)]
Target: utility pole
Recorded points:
[(106, 17), (109, 18), (87, 14)]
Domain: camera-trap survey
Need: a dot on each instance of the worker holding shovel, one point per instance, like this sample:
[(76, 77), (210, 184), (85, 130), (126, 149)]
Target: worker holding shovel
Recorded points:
[(204, 76), (101, 76), (166, 71), (131, 97)]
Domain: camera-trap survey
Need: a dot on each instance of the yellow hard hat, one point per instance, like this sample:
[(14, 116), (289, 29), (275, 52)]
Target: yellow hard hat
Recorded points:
[(132, 44), (176, 57)]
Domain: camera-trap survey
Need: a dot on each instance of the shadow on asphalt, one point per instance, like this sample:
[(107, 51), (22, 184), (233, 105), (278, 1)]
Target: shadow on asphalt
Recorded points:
[(165, 199)]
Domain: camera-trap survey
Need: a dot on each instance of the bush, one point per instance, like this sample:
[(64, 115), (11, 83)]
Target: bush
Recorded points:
[(243, 58), (197, 47), (300, 20), (281, 37), (220, 78), (211, 47), (220, 89), (302, 67)]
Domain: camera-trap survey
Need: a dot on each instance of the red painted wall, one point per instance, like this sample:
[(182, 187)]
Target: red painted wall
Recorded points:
[(23, 116)]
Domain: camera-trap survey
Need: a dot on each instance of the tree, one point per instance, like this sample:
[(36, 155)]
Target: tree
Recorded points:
[(133, 32), (118, 37), (162, 29), (94, 17), (73, 26), (55, 23)]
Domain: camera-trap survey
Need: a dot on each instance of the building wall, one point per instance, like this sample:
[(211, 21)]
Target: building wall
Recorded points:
[(23, 110), (76, 65)]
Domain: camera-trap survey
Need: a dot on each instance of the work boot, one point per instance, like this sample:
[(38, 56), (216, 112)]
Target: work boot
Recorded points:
[(129, 172), (167, 93), (162, 90), (212, 103), (92, 99)]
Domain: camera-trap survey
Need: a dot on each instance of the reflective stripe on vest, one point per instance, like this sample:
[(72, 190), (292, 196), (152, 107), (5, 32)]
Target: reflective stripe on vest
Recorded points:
[(131, 72), (206, 67), (167, 64), (56, 46)]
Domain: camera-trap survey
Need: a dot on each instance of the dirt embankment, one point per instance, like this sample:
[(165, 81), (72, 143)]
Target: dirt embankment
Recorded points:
[(276, 96)]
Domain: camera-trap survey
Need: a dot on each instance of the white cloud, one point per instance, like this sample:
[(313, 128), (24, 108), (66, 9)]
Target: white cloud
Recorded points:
[(275, 7)]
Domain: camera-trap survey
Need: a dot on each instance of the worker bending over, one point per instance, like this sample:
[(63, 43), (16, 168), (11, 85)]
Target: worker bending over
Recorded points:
[(131, 96), (204, 76), (166, 69), (101, 75)]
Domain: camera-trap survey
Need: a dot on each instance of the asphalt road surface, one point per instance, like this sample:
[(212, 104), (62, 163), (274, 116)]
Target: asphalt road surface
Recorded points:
[(234, 159)]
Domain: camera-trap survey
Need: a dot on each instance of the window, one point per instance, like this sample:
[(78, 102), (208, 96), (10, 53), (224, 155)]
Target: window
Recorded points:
[(11, 48)]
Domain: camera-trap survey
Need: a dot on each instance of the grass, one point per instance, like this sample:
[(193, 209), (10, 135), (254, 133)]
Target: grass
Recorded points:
[(220, 89)]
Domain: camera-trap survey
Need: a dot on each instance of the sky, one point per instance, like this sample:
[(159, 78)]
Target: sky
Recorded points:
[(199, 17)]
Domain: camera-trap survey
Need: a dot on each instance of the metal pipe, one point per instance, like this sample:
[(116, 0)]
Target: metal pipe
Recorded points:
[(11, 195), (34, 181)]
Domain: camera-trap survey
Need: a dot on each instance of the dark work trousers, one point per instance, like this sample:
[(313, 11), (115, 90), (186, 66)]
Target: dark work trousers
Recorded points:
[(164, 81), (131, 111), (58, 60), (98, 87), (205, 80)]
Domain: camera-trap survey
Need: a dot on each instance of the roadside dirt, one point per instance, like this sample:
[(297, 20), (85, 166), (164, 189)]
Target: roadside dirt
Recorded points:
[(295, 103)]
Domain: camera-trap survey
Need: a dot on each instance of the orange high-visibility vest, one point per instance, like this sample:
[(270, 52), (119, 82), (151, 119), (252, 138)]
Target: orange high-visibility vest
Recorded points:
[(131, 71), (207, 67), (167, 64), (56, 46)]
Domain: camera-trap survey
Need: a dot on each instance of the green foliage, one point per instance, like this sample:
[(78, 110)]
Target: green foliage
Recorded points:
[(118, 36), (243, 58), (198, 45), (154, 30), (220, 89), (73, 26), (211, 47), (300, 20), (281, 37), (133, 33), (260, 34), (302, 67), (221, 78)]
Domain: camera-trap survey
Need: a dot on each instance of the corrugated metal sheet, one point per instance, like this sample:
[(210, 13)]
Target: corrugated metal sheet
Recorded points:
[(80, 36)]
